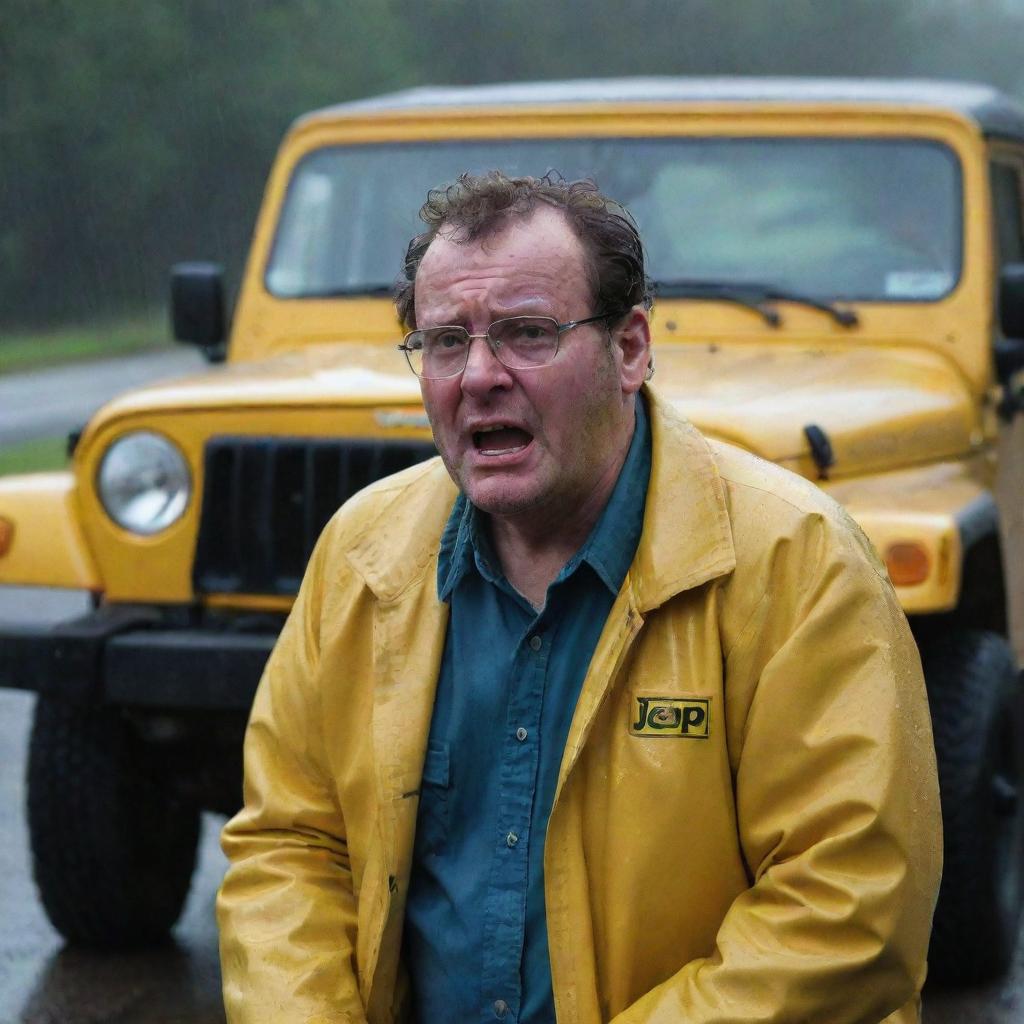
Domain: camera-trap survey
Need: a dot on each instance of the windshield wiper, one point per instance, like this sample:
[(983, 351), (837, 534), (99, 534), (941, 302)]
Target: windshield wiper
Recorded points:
[(842, 316), (752, 295), (372, 290), (737, 292)]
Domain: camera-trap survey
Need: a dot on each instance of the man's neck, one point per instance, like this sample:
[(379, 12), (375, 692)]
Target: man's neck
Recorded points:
[(532, 565), (533, 548)]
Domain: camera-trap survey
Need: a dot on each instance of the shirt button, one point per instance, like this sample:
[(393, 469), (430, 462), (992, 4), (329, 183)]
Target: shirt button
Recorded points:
[(536, 643), (500, 1008), (521, 734), (511, 839)]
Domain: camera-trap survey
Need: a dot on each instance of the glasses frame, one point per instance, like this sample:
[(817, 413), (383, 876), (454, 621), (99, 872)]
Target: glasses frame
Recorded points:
[(495, 346)]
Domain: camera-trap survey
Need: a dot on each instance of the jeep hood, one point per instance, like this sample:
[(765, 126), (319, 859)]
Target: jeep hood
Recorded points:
[(879, 406)]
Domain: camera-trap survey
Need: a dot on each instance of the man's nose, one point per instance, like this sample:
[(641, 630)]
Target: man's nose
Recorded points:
[(484, 371)]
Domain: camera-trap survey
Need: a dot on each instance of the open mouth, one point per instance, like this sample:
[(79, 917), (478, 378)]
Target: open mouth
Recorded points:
[(501, 440)]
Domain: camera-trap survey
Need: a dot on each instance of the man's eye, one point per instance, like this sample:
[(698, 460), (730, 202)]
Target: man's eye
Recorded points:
[(448, 340), (526, 331)]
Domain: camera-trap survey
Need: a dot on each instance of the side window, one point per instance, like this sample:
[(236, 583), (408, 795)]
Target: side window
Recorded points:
[(1007, 211)]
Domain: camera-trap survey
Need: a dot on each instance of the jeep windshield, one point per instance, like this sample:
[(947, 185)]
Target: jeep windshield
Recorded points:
[(830, 219)]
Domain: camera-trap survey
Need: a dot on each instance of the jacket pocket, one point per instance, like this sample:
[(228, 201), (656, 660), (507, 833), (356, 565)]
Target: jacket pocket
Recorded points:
[(432, 818)]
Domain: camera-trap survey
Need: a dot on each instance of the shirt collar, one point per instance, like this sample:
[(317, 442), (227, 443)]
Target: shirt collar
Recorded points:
[(456, 553), (609, 550), (612, 543)]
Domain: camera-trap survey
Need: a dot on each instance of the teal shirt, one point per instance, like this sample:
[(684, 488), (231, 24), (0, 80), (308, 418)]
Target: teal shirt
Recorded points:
[(475, 930)]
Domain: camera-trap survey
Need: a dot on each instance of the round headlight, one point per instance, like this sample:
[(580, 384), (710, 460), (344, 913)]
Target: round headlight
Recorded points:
[(144, 482)]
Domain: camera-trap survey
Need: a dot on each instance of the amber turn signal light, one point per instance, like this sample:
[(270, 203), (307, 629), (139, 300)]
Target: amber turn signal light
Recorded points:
[(6, 535), (907, 563)]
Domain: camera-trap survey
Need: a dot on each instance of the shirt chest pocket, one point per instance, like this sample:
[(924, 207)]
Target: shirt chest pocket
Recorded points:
[(432, 819)]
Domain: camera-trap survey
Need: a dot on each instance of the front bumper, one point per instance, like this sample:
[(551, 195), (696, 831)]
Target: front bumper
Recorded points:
[(129, 657)]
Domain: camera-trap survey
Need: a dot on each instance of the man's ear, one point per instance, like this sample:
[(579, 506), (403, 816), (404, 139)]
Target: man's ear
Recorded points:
[(632, 338)]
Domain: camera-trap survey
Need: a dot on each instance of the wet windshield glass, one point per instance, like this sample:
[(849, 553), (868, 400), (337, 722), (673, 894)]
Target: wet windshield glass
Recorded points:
[(869, 219)]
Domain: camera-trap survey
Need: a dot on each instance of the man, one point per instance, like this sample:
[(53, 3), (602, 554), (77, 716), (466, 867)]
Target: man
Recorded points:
[(622, 725)]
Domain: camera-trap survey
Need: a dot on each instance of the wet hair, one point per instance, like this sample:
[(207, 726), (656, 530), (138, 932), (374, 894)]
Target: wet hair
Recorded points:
[(476, 206)]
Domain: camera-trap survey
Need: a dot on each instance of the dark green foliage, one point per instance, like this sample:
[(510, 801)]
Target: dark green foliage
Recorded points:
[(133, 135), (136, 135)]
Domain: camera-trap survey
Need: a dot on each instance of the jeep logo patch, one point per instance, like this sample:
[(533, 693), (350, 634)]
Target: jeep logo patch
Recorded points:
[(671, 716)]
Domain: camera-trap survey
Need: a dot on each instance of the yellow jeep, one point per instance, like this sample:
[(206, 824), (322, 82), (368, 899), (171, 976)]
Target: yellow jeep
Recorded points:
[(840, 282)]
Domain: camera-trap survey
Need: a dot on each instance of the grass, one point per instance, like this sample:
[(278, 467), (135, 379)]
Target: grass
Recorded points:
[(34, 456), (28, 350), (32, 349)]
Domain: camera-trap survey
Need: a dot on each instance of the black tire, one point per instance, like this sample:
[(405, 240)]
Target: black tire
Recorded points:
[(113, 849), (976, 706)]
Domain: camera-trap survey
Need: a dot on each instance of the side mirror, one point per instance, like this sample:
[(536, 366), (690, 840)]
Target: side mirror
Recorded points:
[(1011, 300), (197, 307), (1009, 353), (1009, 349)]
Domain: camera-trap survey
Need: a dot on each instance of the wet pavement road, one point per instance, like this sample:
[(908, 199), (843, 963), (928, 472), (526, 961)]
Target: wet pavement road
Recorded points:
[(52, 401), (41, 982)]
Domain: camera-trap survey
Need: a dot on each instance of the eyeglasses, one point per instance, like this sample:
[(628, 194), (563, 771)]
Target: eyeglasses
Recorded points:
[(518, 342)]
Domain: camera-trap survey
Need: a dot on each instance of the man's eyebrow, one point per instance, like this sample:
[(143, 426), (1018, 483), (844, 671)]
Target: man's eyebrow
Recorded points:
[(533, 304), (444, 320)]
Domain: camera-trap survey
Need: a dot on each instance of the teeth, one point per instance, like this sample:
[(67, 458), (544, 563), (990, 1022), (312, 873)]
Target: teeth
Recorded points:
[(501, 451), (495, 451)]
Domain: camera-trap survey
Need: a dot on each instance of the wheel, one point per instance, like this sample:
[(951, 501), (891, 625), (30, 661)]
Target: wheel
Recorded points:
[(113, 849), (976, 706)]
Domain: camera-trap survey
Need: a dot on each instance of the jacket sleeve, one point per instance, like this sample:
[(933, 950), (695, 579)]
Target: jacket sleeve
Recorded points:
[(286, 909), (836, 802)]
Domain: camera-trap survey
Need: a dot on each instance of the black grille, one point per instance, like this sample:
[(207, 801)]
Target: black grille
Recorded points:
[(266, 499)]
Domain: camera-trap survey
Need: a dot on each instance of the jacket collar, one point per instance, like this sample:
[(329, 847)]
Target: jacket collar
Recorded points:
[(399, 544), (686, 537)]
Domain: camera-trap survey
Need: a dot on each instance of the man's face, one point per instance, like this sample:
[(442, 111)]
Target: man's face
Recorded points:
[(542, 442)]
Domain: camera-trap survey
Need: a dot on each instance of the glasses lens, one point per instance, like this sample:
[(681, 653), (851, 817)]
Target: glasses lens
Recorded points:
[(437, 351), (524, 341)]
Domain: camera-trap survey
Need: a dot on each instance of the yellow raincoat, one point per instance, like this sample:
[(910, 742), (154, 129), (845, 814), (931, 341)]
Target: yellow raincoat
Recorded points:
[(775, 858)]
